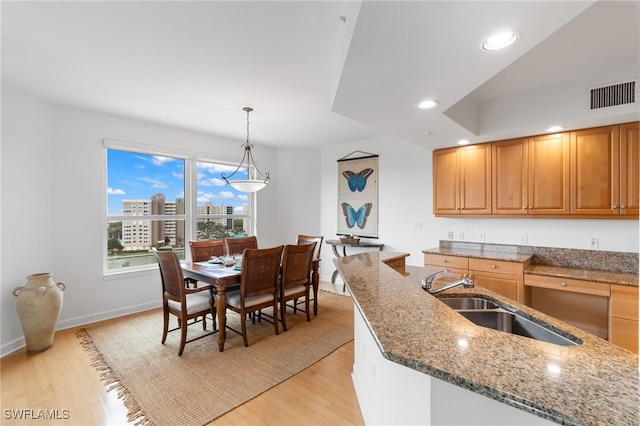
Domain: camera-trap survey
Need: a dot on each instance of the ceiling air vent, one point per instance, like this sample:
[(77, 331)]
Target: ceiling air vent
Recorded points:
[(617, 94)]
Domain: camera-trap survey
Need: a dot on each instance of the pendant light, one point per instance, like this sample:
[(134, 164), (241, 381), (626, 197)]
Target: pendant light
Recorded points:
[(247, 185)]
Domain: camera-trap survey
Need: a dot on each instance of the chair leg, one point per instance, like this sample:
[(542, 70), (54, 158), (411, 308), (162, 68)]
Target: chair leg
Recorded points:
[(243, 323), (306, 305), (183, 336), (204, 322), (283, 311), (165, 329), (275, 316)]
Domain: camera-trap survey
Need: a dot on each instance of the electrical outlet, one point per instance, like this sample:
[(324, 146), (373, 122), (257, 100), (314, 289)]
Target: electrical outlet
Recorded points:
[(523, 239), (461, 236), (482, 236), (418, 226), (450, 235), (594, 242)]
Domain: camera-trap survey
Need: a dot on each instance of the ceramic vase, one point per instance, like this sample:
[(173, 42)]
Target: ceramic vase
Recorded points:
[(38, 304)]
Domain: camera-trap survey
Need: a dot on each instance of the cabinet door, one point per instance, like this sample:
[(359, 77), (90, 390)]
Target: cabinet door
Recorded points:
[(506, 285), (446, 181), (548, 183), (509, 170), (624, 333), (595, 171), (624, 302), (475, 179), (629, 167)]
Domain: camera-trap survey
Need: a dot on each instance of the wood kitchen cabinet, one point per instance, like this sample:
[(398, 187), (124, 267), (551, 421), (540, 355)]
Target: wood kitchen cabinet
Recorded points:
[(453, 264), (623, 321), (531, 175), (583, 304), (462, 180), (505, 278), (604, 170), (585, 173), (630, 169)]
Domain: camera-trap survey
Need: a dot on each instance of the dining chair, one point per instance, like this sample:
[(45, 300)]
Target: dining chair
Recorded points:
[(258, 286), (185, 303), (202, 251), (307, 239), (295, 279), (237, 245)]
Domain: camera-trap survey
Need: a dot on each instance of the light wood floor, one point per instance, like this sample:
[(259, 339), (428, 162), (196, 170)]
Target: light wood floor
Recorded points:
[(62, 382)]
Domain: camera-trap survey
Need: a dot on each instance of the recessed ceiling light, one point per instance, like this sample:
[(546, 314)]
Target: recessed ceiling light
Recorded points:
[(427, 104), (463, 142), (555, 129), (500, 41)]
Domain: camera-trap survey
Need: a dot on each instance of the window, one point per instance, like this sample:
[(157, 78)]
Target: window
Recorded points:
[(164, 202)]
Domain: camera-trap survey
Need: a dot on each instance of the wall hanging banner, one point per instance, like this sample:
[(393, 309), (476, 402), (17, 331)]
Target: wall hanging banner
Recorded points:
[(358, 194)]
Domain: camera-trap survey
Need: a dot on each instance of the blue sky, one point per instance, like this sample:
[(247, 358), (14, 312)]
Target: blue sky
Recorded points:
[(135, 176)]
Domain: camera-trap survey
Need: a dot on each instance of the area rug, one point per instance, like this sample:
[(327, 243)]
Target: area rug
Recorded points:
[(158, 387)]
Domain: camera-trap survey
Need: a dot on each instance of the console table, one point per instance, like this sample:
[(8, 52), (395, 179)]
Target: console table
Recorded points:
[(334, 247)]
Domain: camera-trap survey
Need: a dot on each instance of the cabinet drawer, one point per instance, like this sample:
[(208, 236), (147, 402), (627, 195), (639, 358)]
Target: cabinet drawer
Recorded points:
[(439, 260), (496, 266), (624, 302), (567, 284)]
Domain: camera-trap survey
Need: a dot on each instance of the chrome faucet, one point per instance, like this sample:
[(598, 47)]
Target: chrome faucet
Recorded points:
[(465, 281), (428, 280)]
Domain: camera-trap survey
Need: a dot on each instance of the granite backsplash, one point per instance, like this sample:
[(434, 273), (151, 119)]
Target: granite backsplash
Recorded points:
[(612, 261)]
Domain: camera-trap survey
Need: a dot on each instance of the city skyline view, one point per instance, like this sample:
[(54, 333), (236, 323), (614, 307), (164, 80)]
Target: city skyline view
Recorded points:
[(137, 176)]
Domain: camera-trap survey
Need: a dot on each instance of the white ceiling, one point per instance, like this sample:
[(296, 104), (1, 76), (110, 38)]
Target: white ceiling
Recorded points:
[(327, 72)]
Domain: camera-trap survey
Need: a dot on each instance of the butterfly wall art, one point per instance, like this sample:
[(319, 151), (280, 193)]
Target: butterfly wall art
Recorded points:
[(357, 181), (358, 195)]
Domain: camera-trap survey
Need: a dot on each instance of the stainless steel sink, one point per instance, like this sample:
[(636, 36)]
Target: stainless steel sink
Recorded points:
[(509, 322), (489, 314), (473, 303)]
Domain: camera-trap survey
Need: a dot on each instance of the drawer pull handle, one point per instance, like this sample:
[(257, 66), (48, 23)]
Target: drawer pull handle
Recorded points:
[(563, 284), (444, 261), (623, 206), (493, 266)]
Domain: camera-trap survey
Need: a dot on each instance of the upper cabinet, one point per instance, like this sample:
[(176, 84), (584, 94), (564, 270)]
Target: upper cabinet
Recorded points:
[(587, 173), (604, 171), (530, 176), (462, 180), (630, 169)]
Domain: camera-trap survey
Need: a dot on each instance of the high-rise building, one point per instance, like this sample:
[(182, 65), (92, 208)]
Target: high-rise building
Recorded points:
[(221, 209), (141, 234)]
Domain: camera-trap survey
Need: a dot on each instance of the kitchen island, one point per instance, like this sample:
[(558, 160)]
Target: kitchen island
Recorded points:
[(419, 361)]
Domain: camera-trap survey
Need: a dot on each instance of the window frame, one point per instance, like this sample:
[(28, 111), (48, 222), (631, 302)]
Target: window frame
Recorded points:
[(190, 216)]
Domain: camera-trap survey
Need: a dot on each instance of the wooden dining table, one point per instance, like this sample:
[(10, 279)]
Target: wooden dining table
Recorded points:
[(222, 278)]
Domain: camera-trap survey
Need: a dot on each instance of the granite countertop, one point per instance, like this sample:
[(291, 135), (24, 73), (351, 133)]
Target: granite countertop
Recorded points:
[(592, 383), (605, 277), (481, 254), (584, 274)]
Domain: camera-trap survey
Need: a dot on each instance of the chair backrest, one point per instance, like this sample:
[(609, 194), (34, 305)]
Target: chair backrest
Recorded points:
[(307, 239), (237, 245), (203, 250), (296, 265), (260, 271), (171, 274)]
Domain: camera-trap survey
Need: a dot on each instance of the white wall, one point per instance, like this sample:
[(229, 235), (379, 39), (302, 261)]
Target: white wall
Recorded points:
[(27, 199), (53, 180), (406, 198), (299, 181)]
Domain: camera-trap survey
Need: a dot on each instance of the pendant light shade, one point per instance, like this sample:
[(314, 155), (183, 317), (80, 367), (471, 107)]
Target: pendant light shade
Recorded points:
[(247, 185)]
